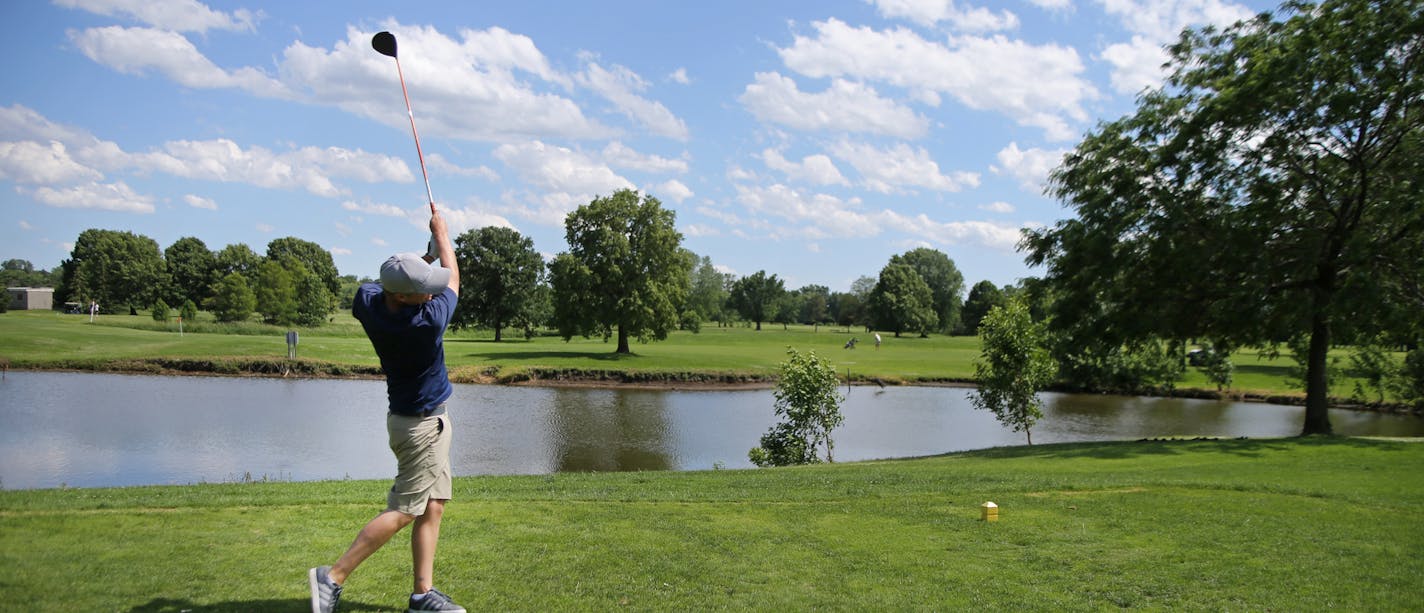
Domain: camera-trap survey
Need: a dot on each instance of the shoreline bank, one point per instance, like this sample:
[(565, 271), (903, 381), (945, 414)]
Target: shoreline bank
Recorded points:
[(604, 379)]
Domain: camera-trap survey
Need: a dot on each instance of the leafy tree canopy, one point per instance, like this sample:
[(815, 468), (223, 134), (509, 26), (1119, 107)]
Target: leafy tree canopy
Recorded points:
[(624, 272), (499, 274), (1269, 191)]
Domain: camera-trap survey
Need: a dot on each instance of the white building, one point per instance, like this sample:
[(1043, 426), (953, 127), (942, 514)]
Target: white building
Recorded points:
[(30, 298)]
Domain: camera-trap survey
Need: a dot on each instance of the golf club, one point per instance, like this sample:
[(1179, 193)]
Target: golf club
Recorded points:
[(385, 44)]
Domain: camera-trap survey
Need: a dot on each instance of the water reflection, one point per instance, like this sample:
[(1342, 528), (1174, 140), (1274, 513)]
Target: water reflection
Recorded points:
[(607, 430), (91, 430)]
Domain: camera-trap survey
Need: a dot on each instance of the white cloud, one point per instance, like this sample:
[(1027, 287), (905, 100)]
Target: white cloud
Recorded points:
[(1031, 166), (118, 197), (813, 169), (136, 50), (1036, 85), (621, 156), (1053, 5), (1137, 64), (476, 87), (199, 202), (1163, 20), (18, 122), (384, 210), (821, 217), (998, 207), (176, 15), (622, 86), (899, 168), (28, 162), (846, 106), (672, 190), (698, 229), (25, 225), (1002, 237), (560, 180), (467, 218), (340, 251), (813, 216), (680, 76), (438, 164), (559, 169), (931, 12), (309, 168)]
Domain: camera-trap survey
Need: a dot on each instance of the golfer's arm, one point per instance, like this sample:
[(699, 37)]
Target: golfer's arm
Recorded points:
[(447, 259)]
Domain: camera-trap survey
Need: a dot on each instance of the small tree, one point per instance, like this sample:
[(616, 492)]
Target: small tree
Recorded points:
[(233, 299), (160, 310), (1014, 365), (1216, 365), (189, 311), (809, 405)]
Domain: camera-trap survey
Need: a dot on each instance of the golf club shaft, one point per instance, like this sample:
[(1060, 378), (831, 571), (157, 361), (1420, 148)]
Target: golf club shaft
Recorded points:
[(418, 153)]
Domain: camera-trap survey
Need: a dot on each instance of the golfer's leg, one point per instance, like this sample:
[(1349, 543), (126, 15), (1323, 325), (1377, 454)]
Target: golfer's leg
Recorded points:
[(371, 538), (423, 539)]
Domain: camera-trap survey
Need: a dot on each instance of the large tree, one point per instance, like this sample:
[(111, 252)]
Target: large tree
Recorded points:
[(983, 297), (232, 299), (115, 268), (21, 273), (902, 301), (303, 257), (709, 291), (624, 272), (757, 296), (313, 256), (1268, 190), (500, 272), (190, 270), (237, 258), (945, 282)]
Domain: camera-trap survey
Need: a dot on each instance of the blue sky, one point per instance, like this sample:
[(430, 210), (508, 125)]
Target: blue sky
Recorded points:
[(812, 140)]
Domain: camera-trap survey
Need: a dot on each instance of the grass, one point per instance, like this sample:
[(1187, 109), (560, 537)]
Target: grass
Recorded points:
[(1297, 525), (52, 340)]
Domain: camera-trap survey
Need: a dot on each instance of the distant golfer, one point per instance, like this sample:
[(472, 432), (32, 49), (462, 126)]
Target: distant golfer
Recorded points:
[(405, 317), (877, 340)]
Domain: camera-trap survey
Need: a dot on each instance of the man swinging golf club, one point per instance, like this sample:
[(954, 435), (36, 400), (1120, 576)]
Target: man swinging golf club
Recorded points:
[(405, 317)]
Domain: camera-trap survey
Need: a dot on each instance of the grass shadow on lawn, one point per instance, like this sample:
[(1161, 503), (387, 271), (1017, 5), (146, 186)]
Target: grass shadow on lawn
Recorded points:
[(1248, 447), (1133, 449), (177, 605)]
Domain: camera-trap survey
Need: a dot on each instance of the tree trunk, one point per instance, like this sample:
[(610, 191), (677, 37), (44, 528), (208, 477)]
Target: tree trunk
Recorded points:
[(498, 332), (623, 340), (1317, 390), (758, 326)]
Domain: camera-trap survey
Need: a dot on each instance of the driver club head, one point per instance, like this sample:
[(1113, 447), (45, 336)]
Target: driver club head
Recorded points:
[(384, 43)]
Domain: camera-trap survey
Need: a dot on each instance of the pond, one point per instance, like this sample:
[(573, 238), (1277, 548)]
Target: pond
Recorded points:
[(90, 430)]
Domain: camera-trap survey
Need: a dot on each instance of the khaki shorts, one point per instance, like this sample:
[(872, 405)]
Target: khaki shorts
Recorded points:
[(422, 448)]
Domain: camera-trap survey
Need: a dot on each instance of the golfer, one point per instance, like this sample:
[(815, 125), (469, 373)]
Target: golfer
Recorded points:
[(405, 318)]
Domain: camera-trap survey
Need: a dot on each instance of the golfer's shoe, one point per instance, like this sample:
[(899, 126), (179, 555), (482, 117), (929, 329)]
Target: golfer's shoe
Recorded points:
[(325, 593), (434, 601)]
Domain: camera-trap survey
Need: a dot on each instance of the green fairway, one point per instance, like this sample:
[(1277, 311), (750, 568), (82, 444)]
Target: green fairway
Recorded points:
[(1287, 525), (51, 340)]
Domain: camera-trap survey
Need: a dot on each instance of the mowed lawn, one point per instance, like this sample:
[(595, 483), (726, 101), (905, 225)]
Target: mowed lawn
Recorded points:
[(1260, 525), (52, 340), (45, 339)]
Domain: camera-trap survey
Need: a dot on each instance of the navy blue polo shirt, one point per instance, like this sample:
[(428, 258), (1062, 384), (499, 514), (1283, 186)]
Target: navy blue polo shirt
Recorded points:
[(411, 346)]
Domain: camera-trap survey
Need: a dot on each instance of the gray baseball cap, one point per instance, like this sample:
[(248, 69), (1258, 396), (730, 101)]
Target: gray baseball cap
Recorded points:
[(407, 273)]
